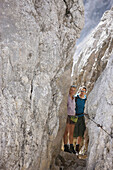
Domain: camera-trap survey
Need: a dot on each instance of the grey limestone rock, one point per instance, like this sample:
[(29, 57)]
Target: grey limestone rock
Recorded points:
[(100, 108), (37, 42), (94, 52), (94, 68)]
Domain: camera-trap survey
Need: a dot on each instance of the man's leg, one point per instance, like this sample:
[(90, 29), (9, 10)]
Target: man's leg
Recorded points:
[(66, 148), (81, 129), (79, 139), (66, 134), (71, 131)]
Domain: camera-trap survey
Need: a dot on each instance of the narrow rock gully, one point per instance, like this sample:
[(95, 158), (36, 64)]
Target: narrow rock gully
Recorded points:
[(70, 161), (67, 161)]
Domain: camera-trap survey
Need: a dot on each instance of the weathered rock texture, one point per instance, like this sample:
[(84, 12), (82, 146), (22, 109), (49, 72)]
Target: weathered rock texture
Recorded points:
[(94, 52), (67, 161), (100, 107), (94, 68), (37, 40), (93, 13)]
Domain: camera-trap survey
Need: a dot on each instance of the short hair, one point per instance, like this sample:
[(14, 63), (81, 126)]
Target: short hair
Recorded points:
[(73, 86), (84, 88)]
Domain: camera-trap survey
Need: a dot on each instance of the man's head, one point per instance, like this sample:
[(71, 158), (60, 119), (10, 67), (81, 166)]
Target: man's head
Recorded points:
[(72, 90), (83, 90)]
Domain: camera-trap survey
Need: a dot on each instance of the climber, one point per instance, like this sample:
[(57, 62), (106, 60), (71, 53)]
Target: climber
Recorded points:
[(80, 127), (70, 125)]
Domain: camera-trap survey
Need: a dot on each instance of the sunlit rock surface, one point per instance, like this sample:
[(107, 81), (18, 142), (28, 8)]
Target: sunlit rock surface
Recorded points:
[(93, 13), (37, 40), (94, 52)]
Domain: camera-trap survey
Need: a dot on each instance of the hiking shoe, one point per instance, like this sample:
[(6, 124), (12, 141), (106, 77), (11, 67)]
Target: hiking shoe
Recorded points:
[(66, 149), (77, 153), (77, 149), (72, 149)]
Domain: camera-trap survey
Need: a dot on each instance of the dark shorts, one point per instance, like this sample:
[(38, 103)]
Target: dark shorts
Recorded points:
[(80, 127), (69, 121)]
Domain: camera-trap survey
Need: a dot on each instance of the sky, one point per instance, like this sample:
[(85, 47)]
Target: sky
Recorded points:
[(94, 9)]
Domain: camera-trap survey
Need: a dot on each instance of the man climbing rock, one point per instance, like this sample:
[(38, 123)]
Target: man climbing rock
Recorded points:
[(80, 127), (70, 125)]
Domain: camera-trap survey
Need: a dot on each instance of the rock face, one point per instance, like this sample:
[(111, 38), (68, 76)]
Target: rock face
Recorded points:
[(100, 107), (94, 53), (37, 40), (94, 68), (93, 13), (67, 161)]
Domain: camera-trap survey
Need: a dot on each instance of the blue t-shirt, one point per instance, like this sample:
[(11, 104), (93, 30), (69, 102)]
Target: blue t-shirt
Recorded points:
[(80, 105)]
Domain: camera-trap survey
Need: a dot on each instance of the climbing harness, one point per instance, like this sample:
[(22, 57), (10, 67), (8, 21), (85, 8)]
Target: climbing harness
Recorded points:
[(98, 125)]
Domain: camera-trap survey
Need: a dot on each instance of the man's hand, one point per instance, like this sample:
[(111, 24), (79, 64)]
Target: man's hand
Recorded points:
[(86, 115)]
